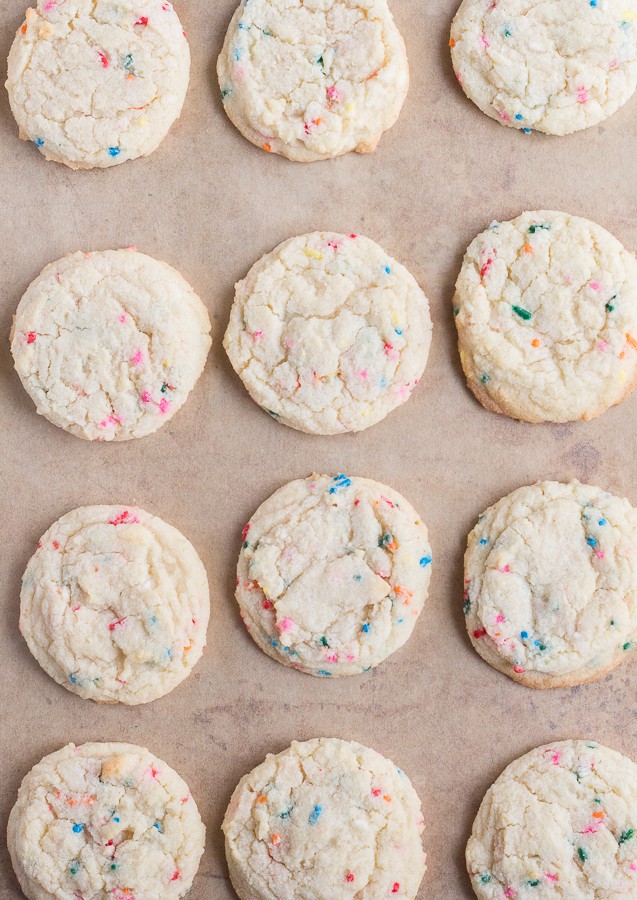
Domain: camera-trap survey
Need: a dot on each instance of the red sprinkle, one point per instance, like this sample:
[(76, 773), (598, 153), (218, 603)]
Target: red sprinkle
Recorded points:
[(56, 545), (113, 625), (349, 877), (176, 875), (245, 531), (143, 21), (31, 337), (124, 518), (376, 792), (104, 59), (479, 632), (395, 888), (267, 604)]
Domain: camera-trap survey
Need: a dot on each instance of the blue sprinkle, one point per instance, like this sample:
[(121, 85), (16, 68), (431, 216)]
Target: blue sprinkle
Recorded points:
[(366, 627), (159, 827), (114, 151), (314, 815), (519, 116), (342, 481), (602, 522), (153, 620), (78, 828), (323, 672), (526, 130), (524, 635), (237, 54), (537, 643), (383, 381), (73, 679), (387, 270), (39, 142), (400, 621), (425, 561), (593, 3), (274, 643), (484, 541), (591, 542)]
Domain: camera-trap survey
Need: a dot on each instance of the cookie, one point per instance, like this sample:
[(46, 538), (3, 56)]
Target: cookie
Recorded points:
[(551, 584), (559, 822), (325, 820), (94, 84), (115, 604), (546, 310), (313, 81), (555, 67), (104, 821), (333, 574), (328, 333), (110, 344)]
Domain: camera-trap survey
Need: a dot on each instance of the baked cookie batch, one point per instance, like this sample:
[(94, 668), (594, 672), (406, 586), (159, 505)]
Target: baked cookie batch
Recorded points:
[(329, 334)]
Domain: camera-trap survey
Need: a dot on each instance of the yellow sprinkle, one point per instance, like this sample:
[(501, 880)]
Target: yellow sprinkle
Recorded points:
[(312, 253), (621, 377), (349, 108), (143, 121)]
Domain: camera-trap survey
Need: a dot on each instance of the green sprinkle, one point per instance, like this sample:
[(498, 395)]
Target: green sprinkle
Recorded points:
[(246, 544), (627, 645), (385, 540), (522, 313), (583, 855), (534, 883), (626, 835), (225, 93), (485, 379), (319, 62), (114, 866), (613, 622), (485, 879), (128, 62), (597, 800), (325, 642), (456, 310), (609, 307), (534, 228), (467, 606), (507, 32), (75, 868)]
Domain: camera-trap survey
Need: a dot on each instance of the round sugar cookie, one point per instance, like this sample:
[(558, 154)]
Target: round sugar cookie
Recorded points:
[(559, 822), (109, 344), (555, 66), (105, 821), (546, 310), (551, 584), (328, 333), (313, 80), (333, 574), (325, 819), (115, 604), (95, 84)]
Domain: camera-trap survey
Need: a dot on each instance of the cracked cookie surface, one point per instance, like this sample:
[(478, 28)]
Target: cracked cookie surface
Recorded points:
[(551, 583), (328, 333), (333, 574), (313, 80), (325, 819), (115, 604), (555, 66), (110, 344), (546, 311), (104, 822), (561, 821), (94, 83)]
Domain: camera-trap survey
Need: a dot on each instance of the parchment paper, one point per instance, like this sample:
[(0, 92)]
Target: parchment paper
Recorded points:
[(210, 203)]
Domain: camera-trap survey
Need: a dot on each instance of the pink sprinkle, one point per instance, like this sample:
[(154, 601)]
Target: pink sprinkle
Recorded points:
[(592, 829), (353, 236), (137, 357), (485, 268), (122, 318), (600, 554), (357, 502), (164, 406), (124, 518), (113, 625), (49, 5), (633, 867), (603, 345), (499, 618), (363, 374), (333, 94), (267, 604), (390, 353), (505, 569), (289, 343), (504, 115), (332, 659), (75, 608), (510, 892), (518, 670), (146, 398), (143, 21), (582, 95), (485, 42), (104, 59), (556, 758), (257, 335), (349, 877), (551, 877), (285, 625), (375, 792), (384, 499), (595, 285)]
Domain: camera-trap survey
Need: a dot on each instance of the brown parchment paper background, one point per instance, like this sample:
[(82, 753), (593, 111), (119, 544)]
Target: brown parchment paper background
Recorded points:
[(210, 203)]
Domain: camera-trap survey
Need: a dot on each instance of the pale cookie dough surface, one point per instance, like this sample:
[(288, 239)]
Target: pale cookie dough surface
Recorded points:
[(110, 344), (115, 604), (328, 333), (104, 822), (325, 820), (94, 83), (560, 822), (333, 574), (555, 66), (546, 310), (313, 80), (551, 583)]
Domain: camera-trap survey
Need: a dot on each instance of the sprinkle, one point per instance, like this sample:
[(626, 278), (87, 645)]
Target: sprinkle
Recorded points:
[(522, 313), (176, 875), (591, 541), (626, 836), (114, 151), (341, 481), (285, 625), (485, 379), (323, 672), (74, 868), (518, 116), (104, 59), (524, 635), (31, 336), (583, 855), (627, 645), (387, 270), (315, 814), (78, 828), (395, 888), (113, 625), (534, 883), (159, 827), (485, 879), (366, 627), (484, 541), (425, 561), (39, 142), (349, 878), (124, 518), (535, 342), (276, 839), (602, 522), (143, 21), (136, 358), (324, 642), (479, 632)]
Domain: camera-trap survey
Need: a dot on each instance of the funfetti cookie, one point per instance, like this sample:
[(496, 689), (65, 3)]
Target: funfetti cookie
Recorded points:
[(115, 604), (556, 66), (546, 311), (110, 344), (95, 84), (561, 821), (325, 820), (328, 333), (551, 584), (333, 574), (312, 81), (105, 821)]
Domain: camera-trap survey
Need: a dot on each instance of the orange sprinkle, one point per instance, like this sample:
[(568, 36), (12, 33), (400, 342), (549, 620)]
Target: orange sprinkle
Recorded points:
[(535, 342), (598, 815), (267, 148), (387, 798), (621, 355), (373, 75), (452, 42), (261, 799), (276, 839), (401, 591), (24, 28), (528, 248), (631, 340), (130, 76)]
